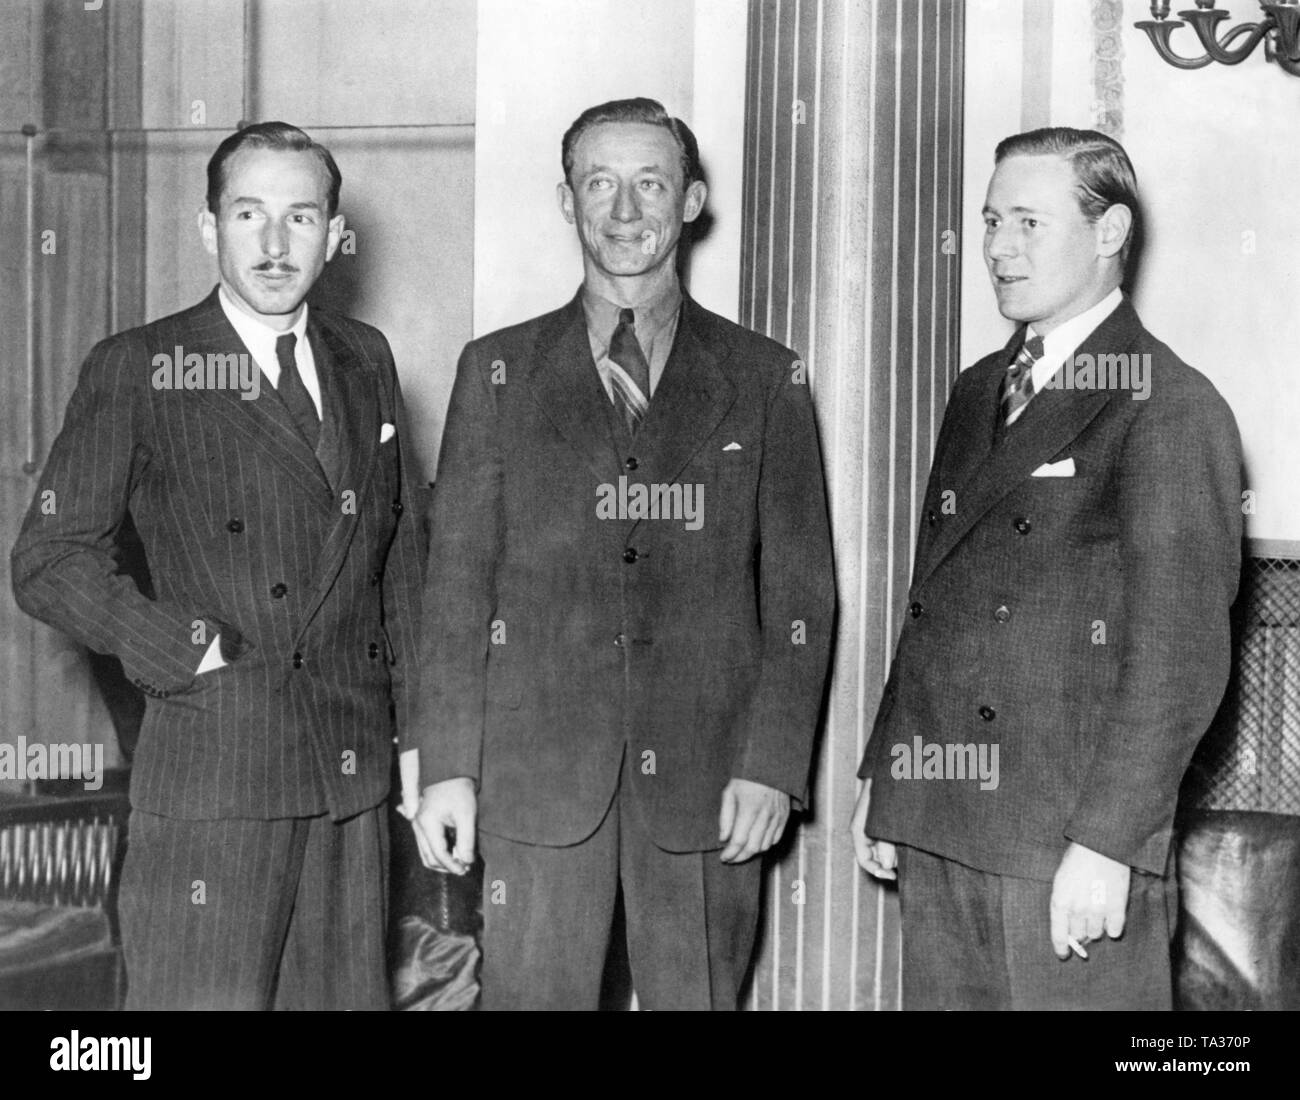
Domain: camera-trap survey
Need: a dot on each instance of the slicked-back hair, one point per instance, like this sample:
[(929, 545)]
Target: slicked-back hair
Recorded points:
[(648, 111), (270, 135), (1103, 173)]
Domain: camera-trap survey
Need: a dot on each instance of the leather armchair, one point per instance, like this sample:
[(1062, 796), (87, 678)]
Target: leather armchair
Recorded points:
[(59, 856)]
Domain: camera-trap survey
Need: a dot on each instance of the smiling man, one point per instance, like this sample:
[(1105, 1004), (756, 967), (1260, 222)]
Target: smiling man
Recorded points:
[(1077, 557), (622, 701), (278, 630)]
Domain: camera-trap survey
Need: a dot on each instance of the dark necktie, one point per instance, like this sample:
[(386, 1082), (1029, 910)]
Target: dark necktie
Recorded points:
[(630, 384), (291, 389), (1018, 385)]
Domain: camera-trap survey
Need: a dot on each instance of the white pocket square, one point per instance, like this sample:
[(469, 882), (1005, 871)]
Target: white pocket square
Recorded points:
[(386, 433), (1064, 468), (733, 447)]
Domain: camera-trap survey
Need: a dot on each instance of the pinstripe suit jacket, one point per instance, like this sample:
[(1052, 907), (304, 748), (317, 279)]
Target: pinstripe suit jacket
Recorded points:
[(1078, 623), (557, 638), (310, 570)]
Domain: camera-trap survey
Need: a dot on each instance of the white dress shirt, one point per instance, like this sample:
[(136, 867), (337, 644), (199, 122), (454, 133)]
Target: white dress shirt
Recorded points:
[(260, 339), (1063, 341)]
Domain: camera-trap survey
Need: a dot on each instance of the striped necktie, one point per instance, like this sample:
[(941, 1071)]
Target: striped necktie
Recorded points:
[(1018, 385), (630, 380)]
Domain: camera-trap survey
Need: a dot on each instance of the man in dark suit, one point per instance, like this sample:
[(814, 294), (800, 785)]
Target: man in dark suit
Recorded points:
[(1067, 641), (259, 448), (629, 604)]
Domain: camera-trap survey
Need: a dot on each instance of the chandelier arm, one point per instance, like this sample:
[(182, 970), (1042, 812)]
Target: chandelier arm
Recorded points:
[(1159, 33), (1293, 67), (1287, 41), (1204, 21)]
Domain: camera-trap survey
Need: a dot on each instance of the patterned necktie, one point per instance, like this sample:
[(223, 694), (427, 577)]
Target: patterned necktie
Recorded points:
[(1018, 385), (294, 394), (631, 382)]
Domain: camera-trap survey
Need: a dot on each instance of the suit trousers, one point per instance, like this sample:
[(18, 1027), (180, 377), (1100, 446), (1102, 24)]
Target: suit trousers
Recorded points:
[(247, 914), (974, 940), (549, 913)]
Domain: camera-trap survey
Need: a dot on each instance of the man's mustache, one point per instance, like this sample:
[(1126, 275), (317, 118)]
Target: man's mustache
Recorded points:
[(272, 265)]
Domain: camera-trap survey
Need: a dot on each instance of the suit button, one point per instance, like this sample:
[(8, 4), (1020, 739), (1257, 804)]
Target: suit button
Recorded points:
[(373, 650), (278, 590), (1002, 614), (917, 610), (932, 517), (630, 463), (988, 713), (376, 577), (398, 507), (235, 526), (629, 555), (297, 660), (618, 640), (1023, 525)]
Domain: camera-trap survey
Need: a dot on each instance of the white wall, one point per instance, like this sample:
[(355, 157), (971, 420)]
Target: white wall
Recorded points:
[(1217, 153), (1218, 156), (539, 66)]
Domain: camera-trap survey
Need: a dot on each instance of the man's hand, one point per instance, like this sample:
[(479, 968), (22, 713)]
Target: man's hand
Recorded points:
[(449, 805), (753, 818), (876, 857), (1089, 895)]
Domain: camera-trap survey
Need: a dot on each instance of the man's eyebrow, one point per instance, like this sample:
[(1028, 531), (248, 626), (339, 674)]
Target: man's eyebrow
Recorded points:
[(249, 200), (597, 169), (1014, 210)]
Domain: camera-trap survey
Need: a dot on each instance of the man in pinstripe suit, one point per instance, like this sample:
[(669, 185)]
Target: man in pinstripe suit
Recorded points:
[(260, 449)]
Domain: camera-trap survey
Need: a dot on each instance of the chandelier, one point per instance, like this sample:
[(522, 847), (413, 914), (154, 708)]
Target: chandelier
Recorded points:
[(1279, 30)]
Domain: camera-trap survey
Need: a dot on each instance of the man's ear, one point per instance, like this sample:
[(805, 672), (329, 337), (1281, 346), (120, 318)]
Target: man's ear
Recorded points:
[(333, 236), (1112, 229), (564, 193), (208, 229), (695, 196)]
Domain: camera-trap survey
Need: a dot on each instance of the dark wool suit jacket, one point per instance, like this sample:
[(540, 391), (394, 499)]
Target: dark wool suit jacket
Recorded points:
[(555, 638), (313, 583), (1012, 588)]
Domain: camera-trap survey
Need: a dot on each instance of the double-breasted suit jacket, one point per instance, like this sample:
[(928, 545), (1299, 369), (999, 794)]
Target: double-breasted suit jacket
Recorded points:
[(559, 637), (1080, 623), (309, 568)]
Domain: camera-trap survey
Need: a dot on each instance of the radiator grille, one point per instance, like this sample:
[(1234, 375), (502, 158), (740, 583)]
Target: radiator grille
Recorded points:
[(1250, 759), (58, 862)]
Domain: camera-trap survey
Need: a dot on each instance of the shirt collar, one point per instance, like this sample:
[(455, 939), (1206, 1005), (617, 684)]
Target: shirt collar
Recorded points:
[(258, 336), (1063, 340), (651, 316)]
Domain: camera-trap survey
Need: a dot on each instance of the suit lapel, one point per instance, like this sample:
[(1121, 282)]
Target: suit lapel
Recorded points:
[(1049, 422), (350, 429), (264, 424), (349, 440), (563, 380), (690, 401), (968, 450)]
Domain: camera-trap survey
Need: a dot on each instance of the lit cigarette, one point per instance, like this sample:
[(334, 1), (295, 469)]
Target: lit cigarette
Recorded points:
[(1076, 947)]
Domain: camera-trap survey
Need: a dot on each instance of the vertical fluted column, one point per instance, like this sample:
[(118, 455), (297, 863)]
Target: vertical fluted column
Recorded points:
[(852, 193)]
